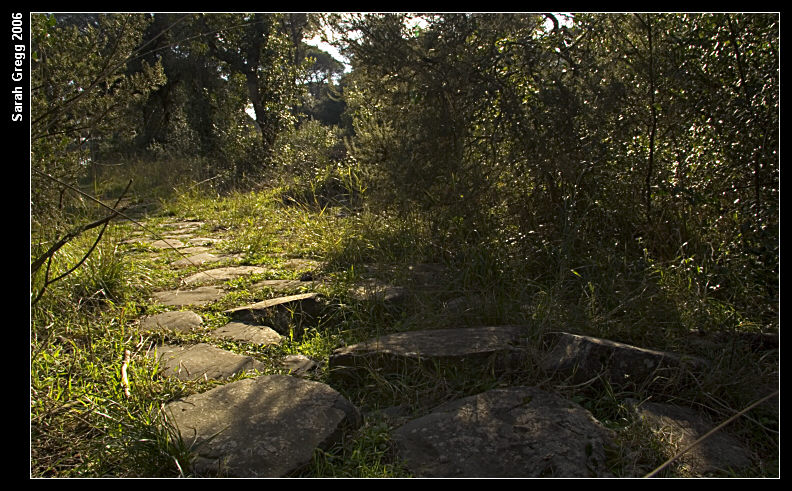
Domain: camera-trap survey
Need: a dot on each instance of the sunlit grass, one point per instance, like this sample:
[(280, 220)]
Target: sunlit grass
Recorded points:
[(82, 424)]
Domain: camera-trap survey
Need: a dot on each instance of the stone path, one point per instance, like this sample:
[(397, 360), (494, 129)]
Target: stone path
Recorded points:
[(271, 425), (268, 426)]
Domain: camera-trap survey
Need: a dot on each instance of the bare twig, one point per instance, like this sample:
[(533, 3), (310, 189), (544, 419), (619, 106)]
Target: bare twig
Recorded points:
[(34, 267), (67, 238), (124, 379), (115, 212)]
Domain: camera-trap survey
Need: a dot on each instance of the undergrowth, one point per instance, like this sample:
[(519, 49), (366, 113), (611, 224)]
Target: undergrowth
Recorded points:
[(84, 425)]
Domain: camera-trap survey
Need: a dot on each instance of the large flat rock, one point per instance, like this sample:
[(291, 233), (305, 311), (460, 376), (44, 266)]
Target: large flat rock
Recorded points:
[(168, 243), (178, 321), (198, 296), (280, 285), (197, 260), (500, 344), (374, 290), (268, 426), (505, 433), (218, 275), (203, 361), (184, 225)]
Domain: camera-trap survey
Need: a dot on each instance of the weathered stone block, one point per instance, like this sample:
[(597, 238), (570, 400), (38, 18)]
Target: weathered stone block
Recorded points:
[(218, 275), (199, 296), (247, 333), (281, 313), (203, 361), (179, 321), (510, 432), (584, 358), (501, 346), (267, 426), (679, 427)]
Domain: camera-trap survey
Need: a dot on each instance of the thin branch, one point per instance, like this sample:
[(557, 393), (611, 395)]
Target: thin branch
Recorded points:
[(112, 209), (34, 267), (48, 255)]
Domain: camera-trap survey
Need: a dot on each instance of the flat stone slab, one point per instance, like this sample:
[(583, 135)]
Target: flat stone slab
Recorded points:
[(197, 260), (247, 333), (203, 361), (518, 432), (217, 275), (179, 321), (681, 426), (280, 312), (194, 250), (298, 365), (583, 358), (268, 426), (300, 264), (168, 244), (199, 296), (203, 241), (470, 344)]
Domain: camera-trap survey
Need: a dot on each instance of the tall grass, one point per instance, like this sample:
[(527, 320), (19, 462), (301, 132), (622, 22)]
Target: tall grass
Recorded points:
[(83, 424)]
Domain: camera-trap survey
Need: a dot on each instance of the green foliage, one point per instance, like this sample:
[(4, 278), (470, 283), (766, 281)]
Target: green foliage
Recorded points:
[(312, 166), (305, 151), (80, 94), (613, 175), (562, 145), (368, 454)]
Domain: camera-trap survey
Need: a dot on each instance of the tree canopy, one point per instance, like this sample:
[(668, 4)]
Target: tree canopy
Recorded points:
[(643, 133)]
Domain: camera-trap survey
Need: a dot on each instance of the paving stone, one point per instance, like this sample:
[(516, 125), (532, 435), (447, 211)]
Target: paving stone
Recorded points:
[(461, 305), (194, 250), (203, 241), (179, 321), (500, 345), (199, 296), (268, 426), (135, 238), (167, 244), (583, 358), (283, 313), (419, 276), (681, 426), (517, 432), (197, 260), (203, 361), (247, 333), (218, 275), (184, 224), (299, 365), (183, 238), (300, 264)]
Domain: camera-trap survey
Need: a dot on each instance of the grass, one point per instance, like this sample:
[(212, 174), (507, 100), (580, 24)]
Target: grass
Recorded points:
[(83, 425)]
